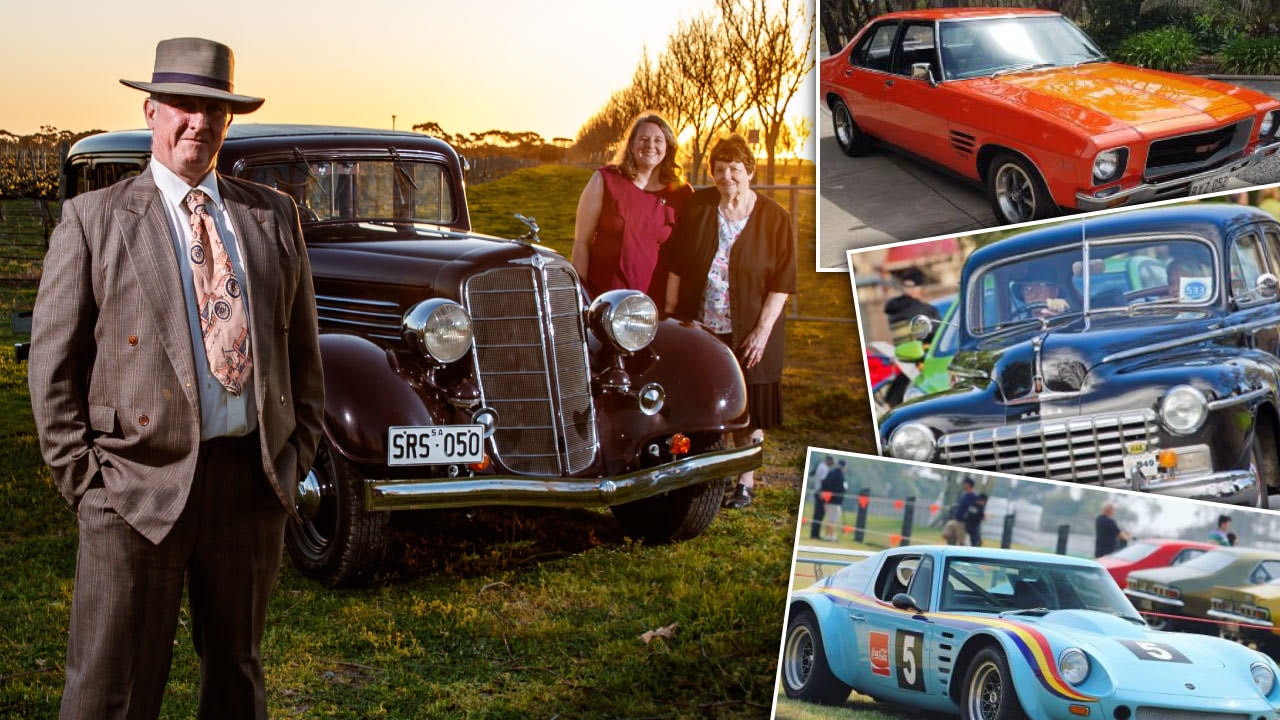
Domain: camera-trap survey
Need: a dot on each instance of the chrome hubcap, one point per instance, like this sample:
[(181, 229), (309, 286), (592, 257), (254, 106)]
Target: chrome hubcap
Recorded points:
[(843, 125), (1014, 193)]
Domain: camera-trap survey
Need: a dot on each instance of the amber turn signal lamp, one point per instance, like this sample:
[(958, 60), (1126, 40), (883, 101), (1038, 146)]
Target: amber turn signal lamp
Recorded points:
[(1079, 710), (482, 465), (680, 444), (1167, 459)]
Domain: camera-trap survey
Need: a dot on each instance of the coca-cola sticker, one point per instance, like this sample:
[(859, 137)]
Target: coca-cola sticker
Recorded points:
[(879, 653)]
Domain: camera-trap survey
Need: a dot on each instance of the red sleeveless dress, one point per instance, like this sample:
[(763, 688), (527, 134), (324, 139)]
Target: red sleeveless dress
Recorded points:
[(633, 224)]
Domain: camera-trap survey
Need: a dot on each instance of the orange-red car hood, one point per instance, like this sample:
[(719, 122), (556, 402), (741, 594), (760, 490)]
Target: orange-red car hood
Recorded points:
[(1106, 96)]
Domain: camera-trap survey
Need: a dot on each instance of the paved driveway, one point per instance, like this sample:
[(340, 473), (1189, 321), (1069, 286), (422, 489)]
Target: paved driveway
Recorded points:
[(888, 197)]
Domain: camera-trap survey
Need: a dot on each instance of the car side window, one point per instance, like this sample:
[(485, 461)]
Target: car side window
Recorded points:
[(1185, 555), (1248, 263), (917, 47), (896, 576), (875, 50), (1265, 572), (922, 583)]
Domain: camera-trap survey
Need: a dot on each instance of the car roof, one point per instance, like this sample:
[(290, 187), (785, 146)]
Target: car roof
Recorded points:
[(139, 140), (1211, 220), (990, 553), (961, 13)]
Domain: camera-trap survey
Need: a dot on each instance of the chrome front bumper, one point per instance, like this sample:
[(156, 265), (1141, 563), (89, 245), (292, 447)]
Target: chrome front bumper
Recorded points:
[(560, 492), (1235, 487), (1144, 192)]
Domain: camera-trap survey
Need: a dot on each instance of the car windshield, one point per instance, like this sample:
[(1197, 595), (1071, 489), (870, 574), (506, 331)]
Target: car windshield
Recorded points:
[(366, 189), (1100, 276), (988, 46), (997, 585)]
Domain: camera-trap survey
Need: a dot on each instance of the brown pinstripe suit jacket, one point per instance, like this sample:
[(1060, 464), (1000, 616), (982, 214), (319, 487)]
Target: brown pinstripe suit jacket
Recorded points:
[(112, 369)]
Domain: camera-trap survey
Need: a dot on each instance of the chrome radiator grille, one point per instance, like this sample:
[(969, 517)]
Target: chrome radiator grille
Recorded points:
[(376, 318), (531, 362), (1189, 154), (1083, 449)]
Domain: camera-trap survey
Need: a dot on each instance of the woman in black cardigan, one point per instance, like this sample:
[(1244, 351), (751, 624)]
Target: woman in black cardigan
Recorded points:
[(732, 265)]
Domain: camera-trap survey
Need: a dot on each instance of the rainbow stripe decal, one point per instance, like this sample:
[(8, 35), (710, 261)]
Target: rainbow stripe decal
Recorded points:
[(1029, 641)]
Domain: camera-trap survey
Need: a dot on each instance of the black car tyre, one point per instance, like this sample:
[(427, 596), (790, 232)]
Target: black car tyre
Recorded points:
[(852, 141), (677, 515), (988, 692), (1016, 191), (805, 672), (1266, 460), (337, 542)]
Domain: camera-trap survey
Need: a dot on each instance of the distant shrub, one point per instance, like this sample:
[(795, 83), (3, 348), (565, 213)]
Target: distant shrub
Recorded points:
[(1166, 48), (1251, 56)]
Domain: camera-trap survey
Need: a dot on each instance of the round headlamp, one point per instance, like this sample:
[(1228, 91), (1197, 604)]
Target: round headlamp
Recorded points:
[(1108, 165), (1183, 409), (1074, 665), (1268, 125), (627, 318), (912, 441), (1263, 677), (440, 328)]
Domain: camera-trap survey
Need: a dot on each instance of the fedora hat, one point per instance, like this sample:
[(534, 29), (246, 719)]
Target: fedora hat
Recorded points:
[(196, 67)]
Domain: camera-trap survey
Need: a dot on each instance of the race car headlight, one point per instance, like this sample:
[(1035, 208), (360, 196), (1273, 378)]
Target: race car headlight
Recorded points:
[(627, 318), (912, 441), (1108, 165), (440, 328), (1268, 125), (1183, 409), (1074, 665), (1263, 677)]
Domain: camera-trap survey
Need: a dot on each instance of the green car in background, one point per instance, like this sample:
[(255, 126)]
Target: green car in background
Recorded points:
[(933, 377)]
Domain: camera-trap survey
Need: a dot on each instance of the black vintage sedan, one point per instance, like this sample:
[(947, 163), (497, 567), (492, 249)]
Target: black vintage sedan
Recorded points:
[(1134, 350)]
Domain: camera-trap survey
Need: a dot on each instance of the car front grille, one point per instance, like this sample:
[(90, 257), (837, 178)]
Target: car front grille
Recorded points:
[(1083, 449), (531, 361), (1183, 155), (376, 318), (1150, 713)]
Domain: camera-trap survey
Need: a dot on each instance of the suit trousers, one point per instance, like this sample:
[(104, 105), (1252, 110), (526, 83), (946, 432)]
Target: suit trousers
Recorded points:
[(226, 547)]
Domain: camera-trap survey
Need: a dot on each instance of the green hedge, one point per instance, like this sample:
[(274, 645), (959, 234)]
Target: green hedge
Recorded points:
[(1166, 48), (1251, 56)]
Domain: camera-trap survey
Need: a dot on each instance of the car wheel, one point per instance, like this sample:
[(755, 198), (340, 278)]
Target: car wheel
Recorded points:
[(1016, 191), (677, 515), (988, 692), (1266, 461), (805, 673), (335, 540), (852, 141)]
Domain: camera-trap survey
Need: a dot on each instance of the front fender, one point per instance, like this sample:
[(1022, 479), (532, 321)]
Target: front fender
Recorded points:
[(366, 391)]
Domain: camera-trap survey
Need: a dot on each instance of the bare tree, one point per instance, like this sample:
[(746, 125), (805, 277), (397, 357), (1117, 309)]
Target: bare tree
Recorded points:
[(704, 93), (776, 52)]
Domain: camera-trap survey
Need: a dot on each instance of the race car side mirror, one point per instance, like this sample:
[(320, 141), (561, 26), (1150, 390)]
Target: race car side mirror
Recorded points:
[(903, 601)]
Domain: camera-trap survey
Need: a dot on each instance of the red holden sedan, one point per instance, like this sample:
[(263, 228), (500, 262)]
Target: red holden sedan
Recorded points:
[(1023, 102), (1143, 554)]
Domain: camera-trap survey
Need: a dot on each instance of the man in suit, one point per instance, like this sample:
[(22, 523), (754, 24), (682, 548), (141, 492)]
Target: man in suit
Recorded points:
[(180, 456)]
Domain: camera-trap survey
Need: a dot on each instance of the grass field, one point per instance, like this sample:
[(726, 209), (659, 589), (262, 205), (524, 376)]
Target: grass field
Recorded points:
[(496, 613)]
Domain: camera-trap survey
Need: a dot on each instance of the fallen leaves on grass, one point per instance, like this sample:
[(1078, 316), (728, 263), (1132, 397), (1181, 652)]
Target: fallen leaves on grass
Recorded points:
[(668, 633)]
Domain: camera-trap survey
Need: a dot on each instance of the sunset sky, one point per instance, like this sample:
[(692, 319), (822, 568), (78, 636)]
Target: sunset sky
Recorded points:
[(545, 66)]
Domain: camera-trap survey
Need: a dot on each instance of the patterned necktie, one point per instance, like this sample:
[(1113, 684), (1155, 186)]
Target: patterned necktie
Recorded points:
[(218, 299)]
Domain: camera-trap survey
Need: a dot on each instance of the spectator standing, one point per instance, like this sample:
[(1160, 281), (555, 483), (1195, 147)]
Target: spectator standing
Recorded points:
[(954, 532), (1107, 535), (973, 518), (1222, 535), (816, 476), (833, 489)]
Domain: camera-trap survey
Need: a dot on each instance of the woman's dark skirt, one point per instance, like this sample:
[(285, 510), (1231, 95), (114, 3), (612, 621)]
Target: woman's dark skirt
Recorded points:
[(765, 402)]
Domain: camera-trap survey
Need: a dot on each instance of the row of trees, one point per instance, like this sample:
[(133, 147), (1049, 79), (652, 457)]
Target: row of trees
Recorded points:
[(734, 70), (29, 164)]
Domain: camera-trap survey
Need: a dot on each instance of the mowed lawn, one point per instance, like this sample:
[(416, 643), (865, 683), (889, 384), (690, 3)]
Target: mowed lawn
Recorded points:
[(494, 613)]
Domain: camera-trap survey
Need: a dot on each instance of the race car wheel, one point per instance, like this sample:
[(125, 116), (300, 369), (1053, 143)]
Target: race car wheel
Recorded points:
[(988, 692), (1266, 461), (852, 141), (335, 540), (1016, 191), (805, 673)]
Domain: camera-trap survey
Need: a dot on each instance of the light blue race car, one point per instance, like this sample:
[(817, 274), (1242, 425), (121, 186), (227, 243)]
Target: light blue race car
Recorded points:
[(1003, 635)]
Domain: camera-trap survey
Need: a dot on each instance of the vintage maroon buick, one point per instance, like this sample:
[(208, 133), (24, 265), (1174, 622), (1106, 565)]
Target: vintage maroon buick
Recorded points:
[(462, 369), (1022, 102)]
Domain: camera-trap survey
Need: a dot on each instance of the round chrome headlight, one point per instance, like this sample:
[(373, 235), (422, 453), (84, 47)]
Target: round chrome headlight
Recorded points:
[(440, 328), (912, 441), (1183, 409), (627, 318), (1108, 165), (1263, 677), (1074, 665), (1269, 123)]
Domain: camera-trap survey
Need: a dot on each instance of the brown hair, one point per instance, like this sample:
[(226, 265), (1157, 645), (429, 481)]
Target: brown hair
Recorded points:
[(668, 170), (732, 149)]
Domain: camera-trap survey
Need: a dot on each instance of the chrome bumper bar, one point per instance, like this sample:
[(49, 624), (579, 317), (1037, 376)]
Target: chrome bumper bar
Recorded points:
[(1234, 487), (478, 490), (1147, 191)]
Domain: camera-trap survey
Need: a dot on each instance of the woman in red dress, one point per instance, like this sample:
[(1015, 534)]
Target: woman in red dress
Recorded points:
[(628, 210)]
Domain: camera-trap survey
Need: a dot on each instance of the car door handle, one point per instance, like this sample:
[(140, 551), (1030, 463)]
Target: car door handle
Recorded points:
[(857, 617), (848, 72)]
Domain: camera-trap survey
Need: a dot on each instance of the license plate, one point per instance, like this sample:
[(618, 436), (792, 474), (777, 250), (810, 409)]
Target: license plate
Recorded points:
[(1210, 184), (435, 445), (1143, 462)]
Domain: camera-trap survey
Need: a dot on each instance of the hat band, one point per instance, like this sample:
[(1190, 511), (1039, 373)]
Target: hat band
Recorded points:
[(201, 80)]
